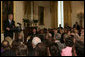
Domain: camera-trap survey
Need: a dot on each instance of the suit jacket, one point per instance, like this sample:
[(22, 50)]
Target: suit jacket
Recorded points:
[(77, 27), (7, 24)]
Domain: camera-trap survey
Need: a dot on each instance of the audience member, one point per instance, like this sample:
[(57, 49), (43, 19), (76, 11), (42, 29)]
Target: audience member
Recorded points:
[(21, 50), (59, 41), (41, 50), (7, 51), (54, 50), (76, 25), (68, 50), (79, 48)]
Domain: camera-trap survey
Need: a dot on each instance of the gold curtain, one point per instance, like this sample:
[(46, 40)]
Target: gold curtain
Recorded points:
[(54, 14), (27, 9), (56, 19), (67, 13)]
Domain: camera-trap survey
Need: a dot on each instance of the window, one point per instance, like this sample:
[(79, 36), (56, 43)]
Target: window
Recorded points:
[(60, 14)]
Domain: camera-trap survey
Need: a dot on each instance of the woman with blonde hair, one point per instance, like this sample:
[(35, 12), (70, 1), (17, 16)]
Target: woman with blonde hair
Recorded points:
[(9, 39)]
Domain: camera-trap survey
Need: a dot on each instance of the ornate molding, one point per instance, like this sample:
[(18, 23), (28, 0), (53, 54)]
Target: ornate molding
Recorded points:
[(1, 17)]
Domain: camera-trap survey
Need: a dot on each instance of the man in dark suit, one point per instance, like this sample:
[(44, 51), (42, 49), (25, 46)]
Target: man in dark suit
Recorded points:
[(34, 32), (76, 25), (9, 24), (60, 27)]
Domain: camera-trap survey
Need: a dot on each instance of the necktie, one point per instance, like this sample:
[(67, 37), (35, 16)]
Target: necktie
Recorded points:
[(10, 22)]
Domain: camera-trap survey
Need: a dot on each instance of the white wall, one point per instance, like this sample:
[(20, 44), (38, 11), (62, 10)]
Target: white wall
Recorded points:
[(47, 15), (77, 6), (19, 12)]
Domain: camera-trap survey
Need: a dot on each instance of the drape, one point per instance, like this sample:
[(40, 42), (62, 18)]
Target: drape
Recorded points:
[(27, 9), (67, 13), (54, 14)]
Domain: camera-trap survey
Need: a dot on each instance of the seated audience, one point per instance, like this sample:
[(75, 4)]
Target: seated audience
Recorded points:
[(5, 46), (68, 41), (6, 49)]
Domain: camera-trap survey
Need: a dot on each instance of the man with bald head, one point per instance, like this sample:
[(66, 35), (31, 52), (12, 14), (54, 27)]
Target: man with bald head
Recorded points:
[(8, 25)]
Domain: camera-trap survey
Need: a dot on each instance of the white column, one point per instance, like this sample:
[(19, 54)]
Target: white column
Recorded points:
[(60, 14)]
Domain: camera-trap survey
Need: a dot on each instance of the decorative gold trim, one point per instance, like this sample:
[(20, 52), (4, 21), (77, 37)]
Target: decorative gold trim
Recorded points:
[(14, 9), (1, 17)]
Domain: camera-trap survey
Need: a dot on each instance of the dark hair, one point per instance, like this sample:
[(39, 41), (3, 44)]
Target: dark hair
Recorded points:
[(52, 33), (54, 50), (5, 46), (22, 50), (10, 13), (15, 44), (62, 38), (42, 37), (48, 43), (79, 47), (45, 30), (69, 41), (41, 50)]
